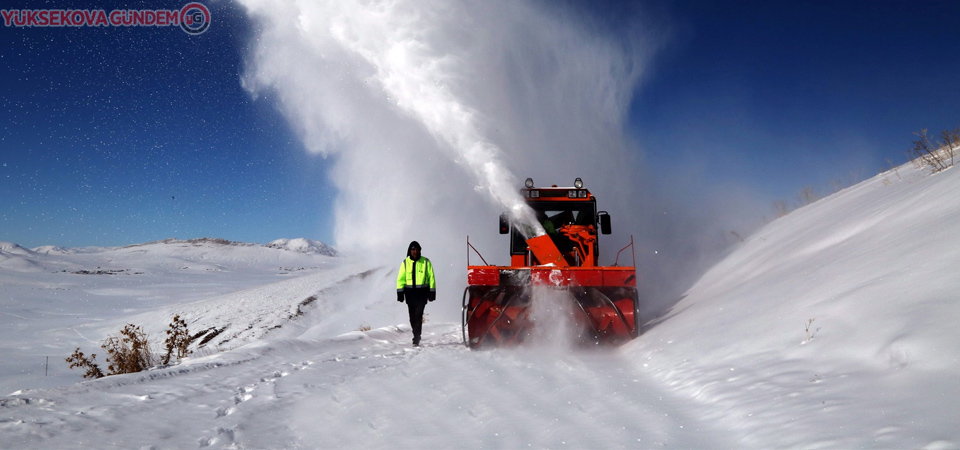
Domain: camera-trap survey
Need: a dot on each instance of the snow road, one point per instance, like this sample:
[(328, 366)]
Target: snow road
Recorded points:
[(366, 389)]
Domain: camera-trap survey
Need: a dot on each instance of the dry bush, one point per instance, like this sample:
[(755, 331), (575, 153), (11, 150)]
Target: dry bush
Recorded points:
[(781, 209), (80, 361), (129, 351), (894, 168), (810, 334), (178, 340), (836, 185), (937, 155), (950, 141), (808, 195)]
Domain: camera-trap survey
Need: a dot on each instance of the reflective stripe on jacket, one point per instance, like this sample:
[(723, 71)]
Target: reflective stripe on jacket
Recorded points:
[(416, 275)]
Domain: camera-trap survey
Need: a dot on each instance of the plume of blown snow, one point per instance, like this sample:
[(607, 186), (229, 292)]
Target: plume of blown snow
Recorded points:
[(433, 112)]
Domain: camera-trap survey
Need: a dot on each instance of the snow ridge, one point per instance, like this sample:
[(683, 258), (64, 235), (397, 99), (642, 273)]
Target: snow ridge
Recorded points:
[(303, 245)]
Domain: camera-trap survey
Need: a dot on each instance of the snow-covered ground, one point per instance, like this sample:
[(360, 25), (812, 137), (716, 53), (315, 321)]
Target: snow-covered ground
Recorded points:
[(830, 327)]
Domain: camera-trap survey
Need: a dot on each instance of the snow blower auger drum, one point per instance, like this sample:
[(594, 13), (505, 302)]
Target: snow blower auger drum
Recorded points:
[(556, 271)]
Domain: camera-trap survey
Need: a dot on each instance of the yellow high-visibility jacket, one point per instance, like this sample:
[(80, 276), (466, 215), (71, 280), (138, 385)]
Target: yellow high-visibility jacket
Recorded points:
[(416, 277)]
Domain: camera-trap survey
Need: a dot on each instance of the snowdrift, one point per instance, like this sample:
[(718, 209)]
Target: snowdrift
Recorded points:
[(835, 323)]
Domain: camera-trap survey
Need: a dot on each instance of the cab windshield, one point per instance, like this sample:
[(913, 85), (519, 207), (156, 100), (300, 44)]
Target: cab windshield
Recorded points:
[(553, 215)]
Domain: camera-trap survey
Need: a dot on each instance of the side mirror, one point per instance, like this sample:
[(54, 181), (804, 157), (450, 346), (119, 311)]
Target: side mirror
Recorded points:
[(604, 220), (504, 223)]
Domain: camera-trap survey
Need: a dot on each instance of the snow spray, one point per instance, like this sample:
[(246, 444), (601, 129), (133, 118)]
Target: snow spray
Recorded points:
[(551, 311), (416, 75), (432, 113), (390, 61)]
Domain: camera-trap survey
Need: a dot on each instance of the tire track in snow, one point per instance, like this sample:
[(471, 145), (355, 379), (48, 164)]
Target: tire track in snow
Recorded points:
[(370, 390), (448, 395)]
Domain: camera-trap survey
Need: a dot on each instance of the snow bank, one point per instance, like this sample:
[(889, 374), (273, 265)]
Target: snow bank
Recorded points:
[(836, 322)]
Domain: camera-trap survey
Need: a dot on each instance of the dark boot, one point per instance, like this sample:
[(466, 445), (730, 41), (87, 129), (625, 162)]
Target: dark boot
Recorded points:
[(415, 307)]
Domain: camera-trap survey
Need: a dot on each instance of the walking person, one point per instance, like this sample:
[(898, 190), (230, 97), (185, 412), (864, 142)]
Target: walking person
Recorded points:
[(415, 282)]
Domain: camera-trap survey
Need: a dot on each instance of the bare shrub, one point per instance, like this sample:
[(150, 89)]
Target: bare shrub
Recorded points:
[(80, 361), (781, 209), (937, 155), (808, 195), (836, 185), (178, 340), (894, 168), (810, 334), (129, 351), (950, 139)]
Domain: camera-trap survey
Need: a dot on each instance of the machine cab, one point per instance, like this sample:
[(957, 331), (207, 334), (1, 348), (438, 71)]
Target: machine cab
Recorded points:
[(568, 215)]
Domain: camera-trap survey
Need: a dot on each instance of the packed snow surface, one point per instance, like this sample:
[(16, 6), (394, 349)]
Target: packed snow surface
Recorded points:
[(831, 327)]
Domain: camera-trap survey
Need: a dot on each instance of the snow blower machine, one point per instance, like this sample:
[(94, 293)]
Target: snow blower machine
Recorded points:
[(556, 270)]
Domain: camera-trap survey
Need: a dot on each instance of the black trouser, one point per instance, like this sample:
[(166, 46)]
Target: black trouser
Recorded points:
[(416, 302)]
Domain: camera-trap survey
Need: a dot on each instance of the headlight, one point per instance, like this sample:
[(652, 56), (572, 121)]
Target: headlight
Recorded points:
[(529, 183), (578, 183)]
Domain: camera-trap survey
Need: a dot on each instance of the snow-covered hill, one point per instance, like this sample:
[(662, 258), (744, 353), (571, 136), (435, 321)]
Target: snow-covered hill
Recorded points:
[(205, 252), (304, 246), (54, 299), (16, 258), (830, 327)]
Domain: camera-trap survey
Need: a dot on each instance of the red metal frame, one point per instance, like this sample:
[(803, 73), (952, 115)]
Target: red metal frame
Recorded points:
[(632, 252), (496, 303)]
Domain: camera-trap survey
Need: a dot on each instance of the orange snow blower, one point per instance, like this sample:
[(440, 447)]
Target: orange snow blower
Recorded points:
[(598, 303)]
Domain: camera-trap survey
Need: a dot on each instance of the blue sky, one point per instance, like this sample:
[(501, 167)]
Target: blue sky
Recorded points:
[(780, 95), (113, 136)]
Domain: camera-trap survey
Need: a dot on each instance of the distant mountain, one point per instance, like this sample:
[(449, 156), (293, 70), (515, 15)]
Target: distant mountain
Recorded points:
[(13, 249), (17, 258), (203, 253), (299, 245), (52, 250), (198, 241), (303, 245)]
